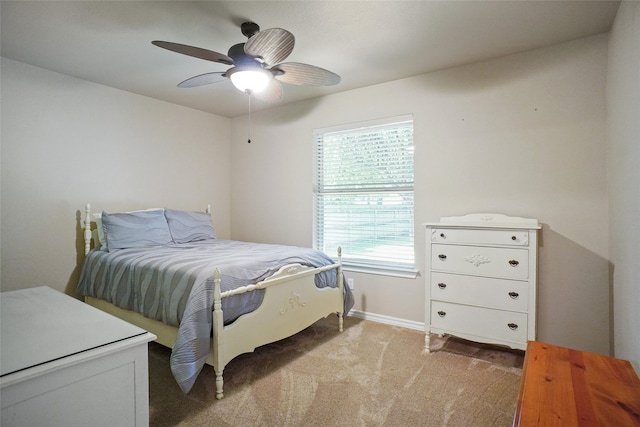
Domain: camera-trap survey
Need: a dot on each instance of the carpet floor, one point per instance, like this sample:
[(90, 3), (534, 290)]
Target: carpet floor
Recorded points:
[(369, 375)]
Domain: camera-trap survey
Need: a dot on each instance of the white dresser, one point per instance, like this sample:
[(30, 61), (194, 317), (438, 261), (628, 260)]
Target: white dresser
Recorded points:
[(481, 279), (65, 363)]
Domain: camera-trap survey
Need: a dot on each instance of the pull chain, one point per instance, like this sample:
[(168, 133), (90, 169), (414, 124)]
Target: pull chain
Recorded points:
[(249, 140)]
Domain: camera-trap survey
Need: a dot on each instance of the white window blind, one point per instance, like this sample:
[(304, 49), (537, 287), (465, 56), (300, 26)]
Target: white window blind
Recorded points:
[(363, 190)]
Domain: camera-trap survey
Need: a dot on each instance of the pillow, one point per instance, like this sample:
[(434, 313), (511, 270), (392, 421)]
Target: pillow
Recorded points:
[(135, 229), (188, 227), (100, 241)]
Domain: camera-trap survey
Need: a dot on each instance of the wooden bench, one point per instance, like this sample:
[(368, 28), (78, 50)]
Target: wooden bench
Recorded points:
[(565, 387)]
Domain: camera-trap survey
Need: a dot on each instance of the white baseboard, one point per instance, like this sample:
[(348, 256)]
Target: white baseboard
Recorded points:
[(388, 320)]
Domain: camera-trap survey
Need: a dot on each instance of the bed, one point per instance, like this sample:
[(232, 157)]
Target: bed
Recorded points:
[(207, 299)]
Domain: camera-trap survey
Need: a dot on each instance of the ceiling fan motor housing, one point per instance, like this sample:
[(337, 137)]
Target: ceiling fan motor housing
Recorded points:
[(240, 58), (249, 29)]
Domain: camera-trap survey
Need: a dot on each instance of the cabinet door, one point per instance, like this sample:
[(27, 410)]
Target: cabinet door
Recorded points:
[(507, 263)]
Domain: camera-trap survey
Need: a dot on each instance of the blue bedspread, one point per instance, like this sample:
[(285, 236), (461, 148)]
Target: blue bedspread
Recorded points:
[(173, 284)]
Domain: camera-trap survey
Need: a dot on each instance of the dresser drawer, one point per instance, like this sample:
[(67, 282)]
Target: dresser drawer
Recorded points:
[(501, 294), (480, 236), (483, 322), (507, 263)]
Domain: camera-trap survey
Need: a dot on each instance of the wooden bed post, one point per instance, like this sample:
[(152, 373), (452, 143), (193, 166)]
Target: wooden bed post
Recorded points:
[(218, 340), (87, 229)]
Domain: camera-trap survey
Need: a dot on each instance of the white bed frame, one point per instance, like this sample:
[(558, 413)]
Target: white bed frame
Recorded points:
[(292, 302)]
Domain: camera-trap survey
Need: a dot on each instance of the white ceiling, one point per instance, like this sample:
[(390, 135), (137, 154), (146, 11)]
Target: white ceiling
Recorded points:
[(365, 42)]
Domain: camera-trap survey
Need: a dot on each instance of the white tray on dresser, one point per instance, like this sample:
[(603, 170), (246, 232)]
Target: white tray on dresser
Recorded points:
[(65, 363), (481, 281)]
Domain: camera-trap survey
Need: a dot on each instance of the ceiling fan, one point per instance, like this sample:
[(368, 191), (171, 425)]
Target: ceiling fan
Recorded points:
[(256, 66)]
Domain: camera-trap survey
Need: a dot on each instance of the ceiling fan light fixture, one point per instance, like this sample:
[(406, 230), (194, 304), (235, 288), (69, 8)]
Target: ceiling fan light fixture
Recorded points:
[(257, 65), (252, 80)]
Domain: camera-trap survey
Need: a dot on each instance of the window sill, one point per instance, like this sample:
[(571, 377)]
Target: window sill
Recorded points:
[(383, 271)]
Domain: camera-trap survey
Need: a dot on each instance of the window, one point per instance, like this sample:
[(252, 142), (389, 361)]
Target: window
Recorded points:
[(363, 192)]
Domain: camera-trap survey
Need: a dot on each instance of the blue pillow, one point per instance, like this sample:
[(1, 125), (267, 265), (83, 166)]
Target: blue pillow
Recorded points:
[(188, 227), (135, 229)]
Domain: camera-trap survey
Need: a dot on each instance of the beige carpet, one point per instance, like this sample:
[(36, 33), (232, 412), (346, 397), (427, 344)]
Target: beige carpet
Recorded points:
[(369, 375)]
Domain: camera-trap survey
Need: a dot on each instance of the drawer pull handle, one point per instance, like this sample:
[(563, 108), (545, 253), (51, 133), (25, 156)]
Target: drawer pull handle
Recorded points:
[(514, 295), (512, 326), (514, 238), (513, 263), (443, 235), (443, 313), (442, 256), (442, 285)]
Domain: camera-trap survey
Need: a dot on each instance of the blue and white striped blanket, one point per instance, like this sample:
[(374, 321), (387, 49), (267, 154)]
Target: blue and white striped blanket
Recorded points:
[(173, 284)]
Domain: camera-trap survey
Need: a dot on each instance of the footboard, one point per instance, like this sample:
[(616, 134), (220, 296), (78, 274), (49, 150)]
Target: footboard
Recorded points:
[(292, 302)]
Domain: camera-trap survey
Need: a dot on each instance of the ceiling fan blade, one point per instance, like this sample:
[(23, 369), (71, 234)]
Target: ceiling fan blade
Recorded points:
[(273, 92), (304, 74), (197, 52), (202, 79), (273, 45)]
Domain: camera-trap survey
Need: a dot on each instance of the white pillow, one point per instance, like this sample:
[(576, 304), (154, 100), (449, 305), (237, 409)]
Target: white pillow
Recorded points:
[(99, 243)]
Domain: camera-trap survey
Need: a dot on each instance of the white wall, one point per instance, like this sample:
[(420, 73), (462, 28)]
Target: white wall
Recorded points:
[(522, 135), (623, 91), (66, 142)]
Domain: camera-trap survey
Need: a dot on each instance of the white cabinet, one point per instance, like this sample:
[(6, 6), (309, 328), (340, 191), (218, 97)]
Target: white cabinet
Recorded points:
[(481, 282), (65, 363)]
